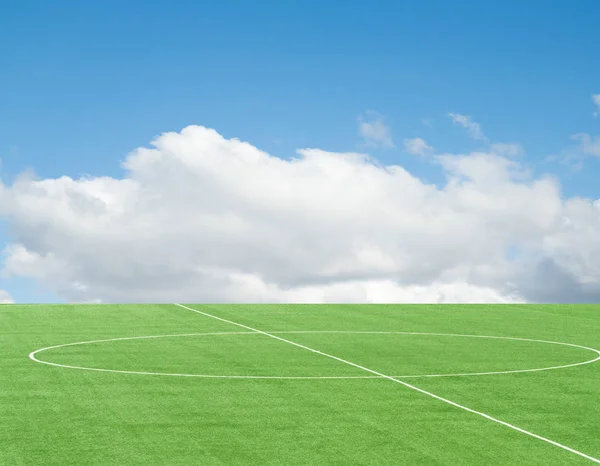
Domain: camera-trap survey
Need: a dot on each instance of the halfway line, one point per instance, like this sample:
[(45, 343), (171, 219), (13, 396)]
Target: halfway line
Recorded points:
[(433, 395)]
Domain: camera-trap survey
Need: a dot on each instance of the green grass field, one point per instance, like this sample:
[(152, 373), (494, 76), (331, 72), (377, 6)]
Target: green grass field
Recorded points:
[(329, 384)]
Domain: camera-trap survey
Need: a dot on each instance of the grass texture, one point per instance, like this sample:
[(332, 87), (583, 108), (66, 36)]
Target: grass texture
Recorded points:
[(205, 391)]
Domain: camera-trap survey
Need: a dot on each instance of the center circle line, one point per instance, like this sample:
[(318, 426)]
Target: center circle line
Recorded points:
[(33, 354)]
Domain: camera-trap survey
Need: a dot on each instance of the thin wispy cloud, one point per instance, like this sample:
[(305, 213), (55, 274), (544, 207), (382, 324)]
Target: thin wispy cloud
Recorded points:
[(589, 145), (374, 131), (473, 128), (506, 149), (596, 101), (417, 146), (5, 298)]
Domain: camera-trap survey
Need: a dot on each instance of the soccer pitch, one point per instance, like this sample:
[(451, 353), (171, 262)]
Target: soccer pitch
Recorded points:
[(299, 384)]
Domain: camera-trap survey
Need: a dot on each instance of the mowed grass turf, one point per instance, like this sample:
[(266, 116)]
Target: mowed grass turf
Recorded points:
[(322, 411)]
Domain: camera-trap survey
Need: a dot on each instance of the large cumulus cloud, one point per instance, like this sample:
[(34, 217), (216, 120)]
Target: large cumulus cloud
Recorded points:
[(198, 217)]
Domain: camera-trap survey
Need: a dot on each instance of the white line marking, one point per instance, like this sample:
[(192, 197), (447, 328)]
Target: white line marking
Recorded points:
[(412, 387), (33, 357), (469, 336), (34, 353)]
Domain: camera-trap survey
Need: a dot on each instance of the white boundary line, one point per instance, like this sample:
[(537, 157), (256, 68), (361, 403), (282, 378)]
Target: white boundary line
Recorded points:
[(412, 387), (33, 354)]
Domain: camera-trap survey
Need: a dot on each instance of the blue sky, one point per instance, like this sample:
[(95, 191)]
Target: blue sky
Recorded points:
[(84, 83)]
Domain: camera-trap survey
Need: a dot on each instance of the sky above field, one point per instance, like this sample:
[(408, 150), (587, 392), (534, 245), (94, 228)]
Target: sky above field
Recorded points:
[(300, 151)]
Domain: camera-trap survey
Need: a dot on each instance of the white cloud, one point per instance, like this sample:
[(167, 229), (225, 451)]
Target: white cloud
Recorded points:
[(589, 145), (5, 298), (374, 131), (202, 218), (250, 288), (417, 146), (596, 101), (475, 132), (473, 128)]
